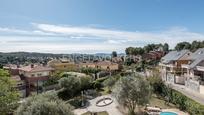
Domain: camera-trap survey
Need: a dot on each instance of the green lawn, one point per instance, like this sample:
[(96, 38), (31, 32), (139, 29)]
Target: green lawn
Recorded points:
[(104, 91), (99, 113), (155, 101)]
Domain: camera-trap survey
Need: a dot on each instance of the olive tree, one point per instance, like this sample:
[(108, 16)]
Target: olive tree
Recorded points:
[(132, 92), (70, 85), (44, 104)]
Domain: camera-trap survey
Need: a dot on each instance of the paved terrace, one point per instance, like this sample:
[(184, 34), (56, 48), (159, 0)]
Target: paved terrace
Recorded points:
[(111, 109)]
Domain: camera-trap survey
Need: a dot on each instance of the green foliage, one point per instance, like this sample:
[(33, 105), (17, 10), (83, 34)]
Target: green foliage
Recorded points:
[(191, 46), (71, 85), (110, 82), (134, 51), (181, 101), (102, 79), (186, 104), (157, 85), (145, 49), (90, 70), (85, 82), (8, 94), (183, 45), (44, 104), (76, 102), (132, 91), (166, 47), (114, 54), (97, 85), (51, 81)]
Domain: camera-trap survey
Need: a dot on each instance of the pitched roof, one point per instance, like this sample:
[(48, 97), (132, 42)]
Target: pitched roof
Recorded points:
[(35, 68), (174, 55), (196, 57)]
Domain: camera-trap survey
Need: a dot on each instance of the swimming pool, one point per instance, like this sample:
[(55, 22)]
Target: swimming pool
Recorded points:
[(168, 113)]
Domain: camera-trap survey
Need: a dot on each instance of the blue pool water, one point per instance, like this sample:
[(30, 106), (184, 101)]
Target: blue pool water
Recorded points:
[(168, 113)]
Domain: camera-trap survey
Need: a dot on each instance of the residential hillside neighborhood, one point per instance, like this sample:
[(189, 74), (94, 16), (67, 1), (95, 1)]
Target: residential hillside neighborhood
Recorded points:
[(101, 57), (173, 75)]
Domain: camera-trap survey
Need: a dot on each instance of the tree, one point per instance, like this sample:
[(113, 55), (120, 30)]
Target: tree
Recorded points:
[(129, 50), (166, 47), (85, 82), (8, 94), (195, 45), (90, 70), (114, 54), (70, 85), (44, 104), (110, 82), (131, 92), (183, 45)]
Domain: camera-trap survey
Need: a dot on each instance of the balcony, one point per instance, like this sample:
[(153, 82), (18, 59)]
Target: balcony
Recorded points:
[(185, 66), (200, 68), (167, 65)]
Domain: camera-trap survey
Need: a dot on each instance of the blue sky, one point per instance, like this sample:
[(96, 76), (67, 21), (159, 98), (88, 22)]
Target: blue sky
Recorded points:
[(90, 26)]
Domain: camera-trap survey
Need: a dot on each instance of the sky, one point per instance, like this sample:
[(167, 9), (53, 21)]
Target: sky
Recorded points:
[(97, 26)]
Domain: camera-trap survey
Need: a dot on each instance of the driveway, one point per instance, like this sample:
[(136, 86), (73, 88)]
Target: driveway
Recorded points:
[(189, 93)]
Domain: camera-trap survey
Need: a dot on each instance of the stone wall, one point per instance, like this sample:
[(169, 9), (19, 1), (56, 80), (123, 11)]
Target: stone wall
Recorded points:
[(180, 80), (170, 78), (193, 85)]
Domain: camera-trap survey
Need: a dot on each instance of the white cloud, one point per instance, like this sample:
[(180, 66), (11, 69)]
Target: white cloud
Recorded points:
[(59, 39), (172, 35)]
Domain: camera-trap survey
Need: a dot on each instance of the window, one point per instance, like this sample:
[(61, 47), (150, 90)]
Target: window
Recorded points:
[(39, 74), (32, 75)]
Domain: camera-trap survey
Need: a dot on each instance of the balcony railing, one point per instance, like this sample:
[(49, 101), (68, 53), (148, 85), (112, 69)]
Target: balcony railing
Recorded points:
[(200, 68), (184, 66)]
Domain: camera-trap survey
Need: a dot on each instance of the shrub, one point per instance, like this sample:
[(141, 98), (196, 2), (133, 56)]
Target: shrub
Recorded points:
[(97, 85), (186, 104), (44, 104)]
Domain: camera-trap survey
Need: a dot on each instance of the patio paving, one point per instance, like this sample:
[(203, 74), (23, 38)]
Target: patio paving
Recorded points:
[(111, 109)]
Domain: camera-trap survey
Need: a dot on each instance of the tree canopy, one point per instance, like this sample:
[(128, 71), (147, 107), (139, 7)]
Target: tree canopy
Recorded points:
[(8, 94), (132, 91), (114, 54), (193, 46), (44, 104), (145, 49), (166, 47)]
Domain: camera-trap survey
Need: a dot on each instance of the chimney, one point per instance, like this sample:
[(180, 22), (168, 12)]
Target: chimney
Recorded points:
[(31, 65)]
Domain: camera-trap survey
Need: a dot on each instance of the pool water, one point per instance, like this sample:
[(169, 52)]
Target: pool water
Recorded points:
[(168, 113)]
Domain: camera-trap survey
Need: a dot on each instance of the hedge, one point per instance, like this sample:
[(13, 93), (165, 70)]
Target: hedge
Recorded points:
[(186, 104), (180, 100)]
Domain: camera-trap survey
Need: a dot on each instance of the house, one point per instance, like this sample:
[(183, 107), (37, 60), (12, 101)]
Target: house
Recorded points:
[(34, 76), (117, 60), (194, 71), (107, 65), (170, 66), (149, 56), (62, 65), (103, 65), (14, 74), (134, 58), (20, 85), (153, 55), (12, 69)]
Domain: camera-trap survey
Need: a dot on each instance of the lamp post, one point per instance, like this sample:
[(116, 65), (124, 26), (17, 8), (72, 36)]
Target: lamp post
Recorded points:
[(82, 100)]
